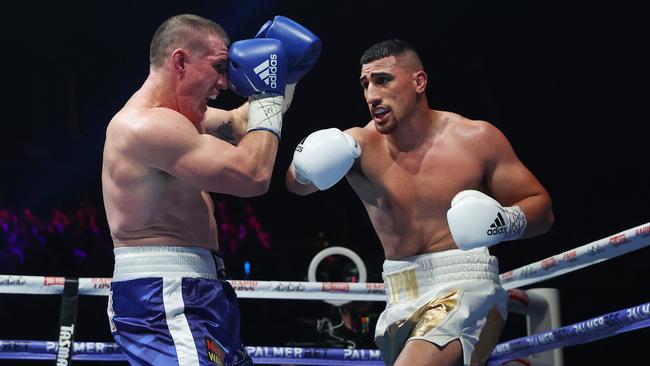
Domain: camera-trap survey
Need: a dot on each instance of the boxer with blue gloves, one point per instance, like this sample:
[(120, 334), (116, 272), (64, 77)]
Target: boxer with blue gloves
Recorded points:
[(297, 48), (257, 69), (302, 47), (438, 189), (165, 150)]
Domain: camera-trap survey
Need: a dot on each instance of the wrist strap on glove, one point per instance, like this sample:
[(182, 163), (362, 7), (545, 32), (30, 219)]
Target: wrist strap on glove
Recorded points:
[(265, 113), (517, 220)]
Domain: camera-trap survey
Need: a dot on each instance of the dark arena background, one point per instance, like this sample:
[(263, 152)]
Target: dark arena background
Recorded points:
[(567, 83)]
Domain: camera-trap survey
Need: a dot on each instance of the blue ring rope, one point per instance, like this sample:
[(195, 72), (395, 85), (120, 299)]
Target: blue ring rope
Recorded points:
[(603, 326)]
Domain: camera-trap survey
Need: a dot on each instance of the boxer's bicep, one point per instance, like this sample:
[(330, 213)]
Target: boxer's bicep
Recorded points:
[(507, 178), (176, 147)]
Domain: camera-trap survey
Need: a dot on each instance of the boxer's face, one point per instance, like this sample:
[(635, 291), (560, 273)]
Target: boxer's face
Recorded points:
[(204, 77), (389, 91)]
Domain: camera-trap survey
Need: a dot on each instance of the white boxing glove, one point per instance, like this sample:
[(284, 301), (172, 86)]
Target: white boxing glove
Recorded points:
[(324, 157), (476, 219)]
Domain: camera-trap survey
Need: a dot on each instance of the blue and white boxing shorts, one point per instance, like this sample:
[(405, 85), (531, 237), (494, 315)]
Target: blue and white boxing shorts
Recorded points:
[(171, 306)]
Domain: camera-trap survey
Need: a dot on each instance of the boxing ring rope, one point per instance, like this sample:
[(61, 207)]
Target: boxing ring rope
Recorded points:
[(589, 254), (559, 264), (108, 351), (603, 326), (596, 328)]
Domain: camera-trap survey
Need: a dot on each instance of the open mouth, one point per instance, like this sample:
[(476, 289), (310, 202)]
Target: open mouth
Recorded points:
[(379, 114)]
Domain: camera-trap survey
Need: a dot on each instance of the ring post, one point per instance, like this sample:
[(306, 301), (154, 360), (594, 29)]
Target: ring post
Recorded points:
[(544, 316), (67, 320)]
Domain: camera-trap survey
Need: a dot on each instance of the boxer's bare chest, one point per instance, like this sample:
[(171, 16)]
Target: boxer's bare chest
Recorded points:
[(412, 191), (425, 179)]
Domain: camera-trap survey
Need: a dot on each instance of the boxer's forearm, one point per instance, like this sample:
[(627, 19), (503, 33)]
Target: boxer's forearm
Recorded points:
[(539, 213), (229, 126)]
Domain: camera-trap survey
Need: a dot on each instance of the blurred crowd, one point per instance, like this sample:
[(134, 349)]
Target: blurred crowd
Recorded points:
[(76, 242), (54, 242)]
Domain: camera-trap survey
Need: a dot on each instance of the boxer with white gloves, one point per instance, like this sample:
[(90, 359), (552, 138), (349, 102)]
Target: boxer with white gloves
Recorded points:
[(476, 219), (324, 157), (419, 173)]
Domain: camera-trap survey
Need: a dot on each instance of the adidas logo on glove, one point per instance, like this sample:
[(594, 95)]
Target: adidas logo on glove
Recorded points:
[(268, 71), (470, 214), (498, 227)]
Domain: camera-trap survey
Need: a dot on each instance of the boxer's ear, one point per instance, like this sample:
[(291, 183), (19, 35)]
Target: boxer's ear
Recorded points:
[(420, 79), (179, 58)]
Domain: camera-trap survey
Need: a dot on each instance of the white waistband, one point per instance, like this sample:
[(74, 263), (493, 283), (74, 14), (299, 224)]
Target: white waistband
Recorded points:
[(163, 261), (432, 269)]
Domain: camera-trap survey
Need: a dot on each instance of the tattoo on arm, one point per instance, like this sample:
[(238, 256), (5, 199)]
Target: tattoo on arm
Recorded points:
[(225, 132)]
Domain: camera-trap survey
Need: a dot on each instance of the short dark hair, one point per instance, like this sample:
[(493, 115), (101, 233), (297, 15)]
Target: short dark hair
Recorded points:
[(390, 47), (183, 31)]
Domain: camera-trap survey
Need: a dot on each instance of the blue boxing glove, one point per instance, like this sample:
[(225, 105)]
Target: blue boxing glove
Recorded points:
[(301, 45), (257, 66), (257, 69)]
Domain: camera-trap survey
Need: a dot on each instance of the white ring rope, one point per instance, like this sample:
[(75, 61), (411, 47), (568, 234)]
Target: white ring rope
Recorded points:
[(246, 289), (580, 257), (586, 255)]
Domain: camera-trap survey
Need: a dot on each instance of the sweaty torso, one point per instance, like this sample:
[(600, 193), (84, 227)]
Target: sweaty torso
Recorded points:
[(407, 193), (144, 205)]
